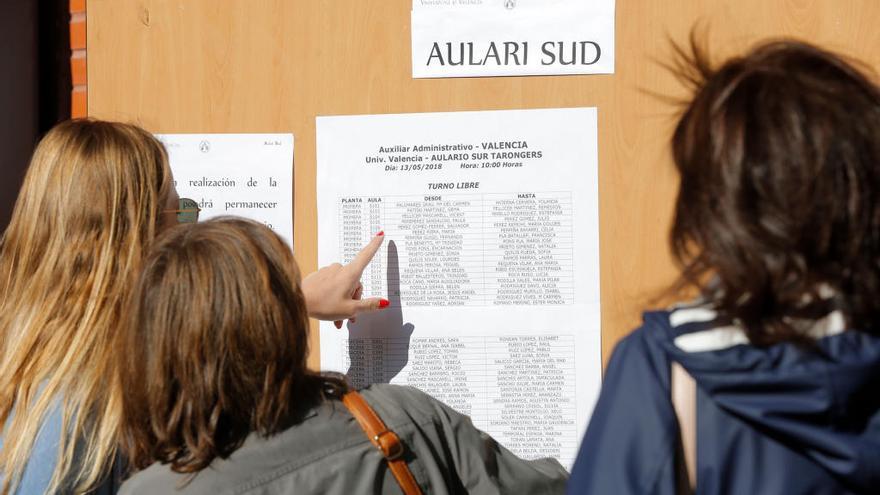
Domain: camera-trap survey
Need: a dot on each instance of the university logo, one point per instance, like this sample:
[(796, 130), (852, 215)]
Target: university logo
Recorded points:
[(510, 4), (205, 146)]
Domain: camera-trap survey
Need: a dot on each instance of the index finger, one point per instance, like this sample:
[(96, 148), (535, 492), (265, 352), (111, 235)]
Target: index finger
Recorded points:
[(363, 258)]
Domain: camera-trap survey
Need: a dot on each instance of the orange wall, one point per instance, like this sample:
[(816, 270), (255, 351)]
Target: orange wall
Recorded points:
[(273, 65)]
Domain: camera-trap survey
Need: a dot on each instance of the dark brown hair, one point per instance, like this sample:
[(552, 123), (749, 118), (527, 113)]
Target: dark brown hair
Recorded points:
[(215, 346), (777, 219)]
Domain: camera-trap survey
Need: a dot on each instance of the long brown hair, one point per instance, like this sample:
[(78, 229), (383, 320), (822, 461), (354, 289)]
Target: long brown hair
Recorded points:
[(88, 207), (779, 202), (221, 326)]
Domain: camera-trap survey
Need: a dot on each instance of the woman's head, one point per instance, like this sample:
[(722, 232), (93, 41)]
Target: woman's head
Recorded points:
[(779, 201), (90, 203), (94, 180), (221, 325)]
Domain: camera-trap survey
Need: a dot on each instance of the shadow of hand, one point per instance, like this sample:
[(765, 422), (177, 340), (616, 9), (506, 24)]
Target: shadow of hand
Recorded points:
[(378, 343)]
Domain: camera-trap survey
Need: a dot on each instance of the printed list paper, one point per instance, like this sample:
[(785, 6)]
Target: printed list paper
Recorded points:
[(245, 175), (491, 263)]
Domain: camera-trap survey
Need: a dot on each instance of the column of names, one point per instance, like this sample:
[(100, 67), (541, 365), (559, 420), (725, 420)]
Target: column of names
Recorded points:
[(467, 249), (519, 388)]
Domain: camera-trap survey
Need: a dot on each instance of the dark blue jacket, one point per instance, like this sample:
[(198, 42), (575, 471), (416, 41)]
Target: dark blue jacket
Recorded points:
[(774, 420)]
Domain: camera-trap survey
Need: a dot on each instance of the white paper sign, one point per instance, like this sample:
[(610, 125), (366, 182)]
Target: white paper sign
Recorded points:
[(459, 38), (245, 175), (493, 4), (491, 263)]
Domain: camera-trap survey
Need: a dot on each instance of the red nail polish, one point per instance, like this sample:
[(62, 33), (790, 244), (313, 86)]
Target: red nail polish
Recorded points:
[(384, 303), (381, 232)]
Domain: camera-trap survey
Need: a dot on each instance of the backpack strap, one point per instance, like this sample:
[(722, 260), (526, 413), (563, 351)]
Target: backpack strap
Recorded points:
[(388, 443), (684, 401)]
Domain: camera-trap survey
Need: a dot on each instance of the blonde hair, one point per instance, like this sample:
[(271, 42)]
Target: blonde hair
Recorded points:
[(89, 205)]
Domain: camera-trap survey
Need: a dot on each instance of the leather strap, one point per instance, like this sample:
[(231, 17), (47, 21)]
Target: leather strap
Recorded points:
[(684, 401), (388, 443)]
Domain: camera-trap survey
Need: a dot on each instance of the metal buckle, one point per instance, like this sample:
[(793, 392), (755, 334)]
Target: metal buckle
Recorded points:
[(395, 446)]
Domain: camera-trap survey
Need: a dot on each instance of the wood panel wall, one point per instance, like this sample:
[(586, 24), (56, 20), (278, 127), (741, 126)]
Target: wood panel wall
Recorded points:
[(273, 65)]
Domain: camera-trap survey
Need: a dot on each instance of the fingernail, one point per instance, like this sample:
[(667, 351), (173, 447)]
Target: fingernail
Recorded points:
[(381, 232), (384, 303)]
